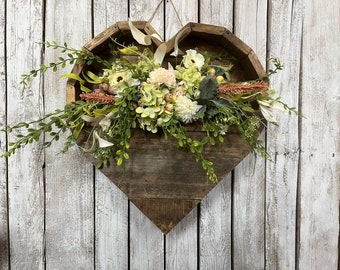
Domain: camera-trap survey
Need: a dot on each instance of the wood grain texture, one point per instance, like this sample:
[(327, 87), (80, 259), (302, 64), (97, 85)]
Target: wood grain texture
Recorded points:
[(111, 205), (178, 15), (146, 240), (143, 11), (4, 248), (181, 244), (285, 213), (215, 227), (155, 172), (249, 181), (217, 13), (69, 177), (284, 36), (320, 144), (215, 209), (25, 173), (111, 225)]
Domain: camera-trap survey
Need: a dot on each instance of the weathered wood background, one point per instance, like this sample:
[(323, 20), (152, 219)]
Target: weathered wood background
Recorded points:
[(58, 212)]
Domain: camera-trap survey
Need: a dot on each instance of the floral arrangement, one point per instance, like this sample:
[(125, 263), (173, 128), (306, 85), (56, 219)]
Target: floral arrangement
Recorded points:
[(156, 97)]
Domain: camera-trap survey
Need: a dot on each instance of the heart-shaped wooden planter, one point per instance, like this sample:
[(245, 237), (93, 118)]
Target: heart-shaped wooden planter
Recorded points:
[(161, 179)]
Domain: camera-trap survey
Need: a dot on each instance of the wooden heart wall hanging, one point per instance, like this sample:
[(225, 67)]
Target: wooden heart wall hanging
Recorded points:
[(164, 121), (163, 180)]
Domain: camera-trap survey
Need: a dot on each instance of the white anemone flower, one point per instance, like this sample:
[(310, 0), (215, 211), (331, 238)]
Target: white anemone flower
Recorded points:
[(120, 80), (193, 58)]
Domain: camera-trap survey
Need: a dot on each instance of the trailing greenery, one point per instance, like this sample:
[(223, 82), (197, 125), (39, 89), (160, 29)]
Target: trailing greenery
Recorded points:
[(143, 94)]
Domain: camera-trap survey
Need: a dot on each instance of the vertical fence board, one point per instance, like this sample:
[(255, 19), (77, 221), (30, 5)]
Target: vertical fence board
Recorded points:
[(69, 177), (282, 214), (217, 13), (146, 240), (111, 205), (249, 184), (181, 242), (215, 228), (25, 188), (4, 264), (178, 14), (284, 36), (320, 145), (215, 214)]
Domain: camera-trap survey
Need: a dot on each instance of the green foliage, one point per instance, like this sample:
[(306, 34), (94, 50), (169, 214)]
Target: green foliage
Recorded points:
[(68, 56), (141, 94), (208, 88)]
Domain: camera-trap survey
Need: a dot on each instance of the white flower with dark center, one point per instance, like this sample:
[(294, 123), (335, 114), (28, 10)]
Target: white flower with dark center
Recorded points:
[(192, 58), (120, 80), (186, 109)]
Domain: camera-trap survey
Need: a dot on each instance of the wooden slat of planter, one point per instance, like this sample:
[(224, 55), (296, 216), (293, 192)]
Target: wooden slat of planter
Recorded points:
[(165, 213), (160, 171)]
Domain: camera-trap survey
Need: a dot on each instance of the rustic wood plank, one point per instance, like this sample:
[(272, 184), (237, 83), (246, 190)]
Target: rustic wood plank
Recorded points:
[(284, 38), (25, 173), (179, 15), (69, 177), (111, 205), (181, 243), (249, 181), (319, 188), (215, 211), (143, 11), (111, 225), (4, 248), (215, 227), (146, 240), (217, 13)]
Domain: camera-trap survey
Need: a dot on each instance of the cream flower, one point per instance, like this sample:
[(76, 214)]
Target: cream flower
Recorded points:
[(186, 109), (120, 80), (162, 76), (192, 58)]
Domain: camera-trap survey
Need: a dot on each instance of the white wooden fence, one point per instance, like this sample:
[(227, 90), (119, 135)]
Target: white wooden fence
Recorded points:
[(58, 212)]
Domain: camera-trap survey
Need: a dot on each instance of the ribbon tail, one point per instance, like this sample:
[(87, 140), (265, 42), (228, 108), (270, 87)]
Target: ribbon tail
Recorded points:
[(177, 51), (160, 53)]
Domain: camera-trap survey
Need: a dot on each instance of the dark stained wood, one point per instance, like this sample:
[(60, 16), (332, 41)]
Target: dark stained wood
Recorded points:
[(162, 180)]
